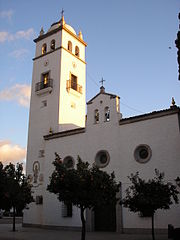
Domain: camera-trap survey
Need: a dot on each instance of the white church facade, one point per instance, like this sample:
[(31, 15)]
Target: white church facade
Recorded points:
[(58, 123)]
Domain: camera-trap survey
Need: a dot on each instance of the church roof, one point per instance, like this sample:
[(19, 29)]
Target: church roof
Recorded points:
[(154, 114), (58, 26), (102, 91)]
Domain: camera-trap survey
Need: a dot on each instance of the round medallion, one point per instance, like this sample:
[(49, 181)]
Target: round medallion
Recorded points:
[(46, 62), (74, 64)]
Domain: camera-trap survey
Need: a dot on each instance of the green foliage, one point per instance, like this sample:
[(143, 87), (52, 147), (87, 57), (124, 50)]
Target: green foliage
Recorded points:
[(148, 196), (2, 185), (83, 186), (15, 191), (177, 42)]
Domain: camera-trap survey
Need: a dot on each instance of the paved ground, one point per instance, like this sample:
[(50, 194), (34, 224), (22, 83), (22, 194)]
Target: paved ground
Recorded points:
[(23, 233)]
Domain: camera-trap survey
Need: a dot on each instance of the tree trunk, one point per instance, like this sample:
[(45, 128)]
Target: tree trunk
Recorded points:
[(14, 219), (153, 235), (83, 232)]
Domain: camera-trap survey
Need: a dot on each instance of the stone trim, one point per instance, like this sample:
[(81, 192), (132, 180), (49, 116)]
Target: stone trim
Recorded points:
[(145, 231), (72, 54), (61, 47), (45, 54), (64, 133), (64, 228), (57, 30), (78, 229), (108, 94), (152, 115)]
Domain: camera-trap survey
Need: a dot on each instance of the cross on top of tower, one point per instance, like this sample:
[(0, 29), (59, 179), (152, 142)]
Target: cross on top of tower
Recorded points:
[(62, 13)]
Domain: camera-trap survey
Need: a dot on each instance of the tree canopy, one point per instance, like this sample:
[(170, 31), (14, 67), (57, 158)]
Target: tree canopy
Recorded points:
[(16, 190), (83, 186), (146, 197)]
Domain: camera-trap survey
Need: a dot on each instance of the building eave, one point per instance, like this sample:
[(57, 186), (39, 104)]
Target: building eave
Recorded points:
[(64, 133), (57, 30), (152, 115), (108, 94)]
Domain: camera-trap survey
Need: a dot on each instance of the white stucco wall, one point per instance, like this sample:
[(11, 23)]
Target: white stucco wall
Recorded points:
[(161, 134)]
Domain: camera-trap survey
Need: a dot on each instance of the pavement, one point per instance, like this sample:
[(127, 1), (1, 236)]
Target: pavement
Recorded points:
[(27, 233)]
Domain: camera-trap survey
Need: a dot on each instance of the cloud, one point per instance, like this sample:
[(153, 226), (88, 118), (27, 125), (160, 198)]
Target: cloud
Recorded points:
[(3, 36), (11, 152), (27, 35), (19, 53), (19, 93), (7, 14)]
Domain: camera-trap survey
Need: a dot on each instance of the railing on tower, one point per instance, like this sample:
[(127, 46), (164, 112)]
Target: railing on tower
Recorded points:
[(43, 85), (72, 85)]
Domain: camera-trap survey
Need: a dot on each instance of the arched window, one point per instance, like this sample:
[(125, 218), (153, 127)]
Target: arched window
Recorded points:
[(44, 48), (106, 114), (53, 44), (70, 46), (77, 51), (96, 116)]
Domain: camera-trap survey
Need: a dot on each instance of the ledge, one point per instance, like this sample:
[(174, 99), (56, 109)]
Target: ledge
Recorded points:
[(44, 90), (155, 114), (64, 133)]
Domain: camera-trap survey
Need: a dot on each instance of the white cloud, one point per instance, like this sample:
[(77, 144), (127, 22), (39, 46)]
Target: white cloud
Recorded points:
[(3, 36), (11, 152), (6, 36), (7, 14), (19, 53), (19, 93), (24, 34)]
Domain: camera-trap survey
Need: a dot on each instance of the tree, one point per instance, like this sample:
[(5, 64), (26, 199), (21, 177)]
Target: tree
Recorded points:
[(17, 192), (83, 187), (2, 185), (146, 197), (177, 42)]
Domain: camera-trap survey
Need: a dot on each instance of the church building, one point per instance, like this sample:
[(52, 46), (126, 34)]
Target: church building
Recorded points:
[(58, 123)]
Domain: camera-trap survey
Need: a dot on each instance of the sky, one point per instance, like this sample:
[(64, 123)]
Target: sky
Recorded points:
[(130, 44)]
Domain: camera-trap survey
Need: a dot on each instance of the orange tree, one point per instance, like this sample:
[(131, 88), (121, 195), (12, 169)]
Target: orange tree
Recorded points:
[(146, 197), (83, 186), (2, 185), (16, 192)]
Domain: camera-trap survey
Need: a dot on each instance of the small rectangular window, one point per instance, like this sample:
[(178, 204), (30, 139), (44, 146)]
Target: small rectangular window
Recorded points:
[(41, 153), (44, 103), (67, 209), (39, 200)]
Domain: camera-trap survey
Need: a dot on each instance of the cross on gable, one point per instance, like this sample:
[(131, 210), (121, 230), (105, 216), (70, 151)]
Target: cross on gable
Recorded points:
[(102, 82)]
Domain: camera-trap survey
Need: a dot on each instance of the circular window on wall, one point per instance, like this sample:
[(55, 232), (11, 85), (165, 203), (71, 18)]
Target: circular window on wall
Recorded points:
[(142, 153), (102, 159), (68, 162)]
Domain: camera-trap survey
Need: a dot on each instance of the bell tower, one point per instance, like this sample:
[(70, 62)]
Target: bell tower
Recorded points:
[(58, 83), (57, 93)]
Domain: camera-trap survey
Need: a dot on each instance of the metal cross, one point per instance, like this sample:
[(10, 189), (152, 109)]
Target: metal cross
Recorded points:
[(102, 81), (62, 12)]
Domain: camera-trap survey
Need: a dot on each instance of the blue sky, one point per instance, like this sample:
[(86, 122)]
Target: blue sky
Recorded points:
[(130, 44)]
